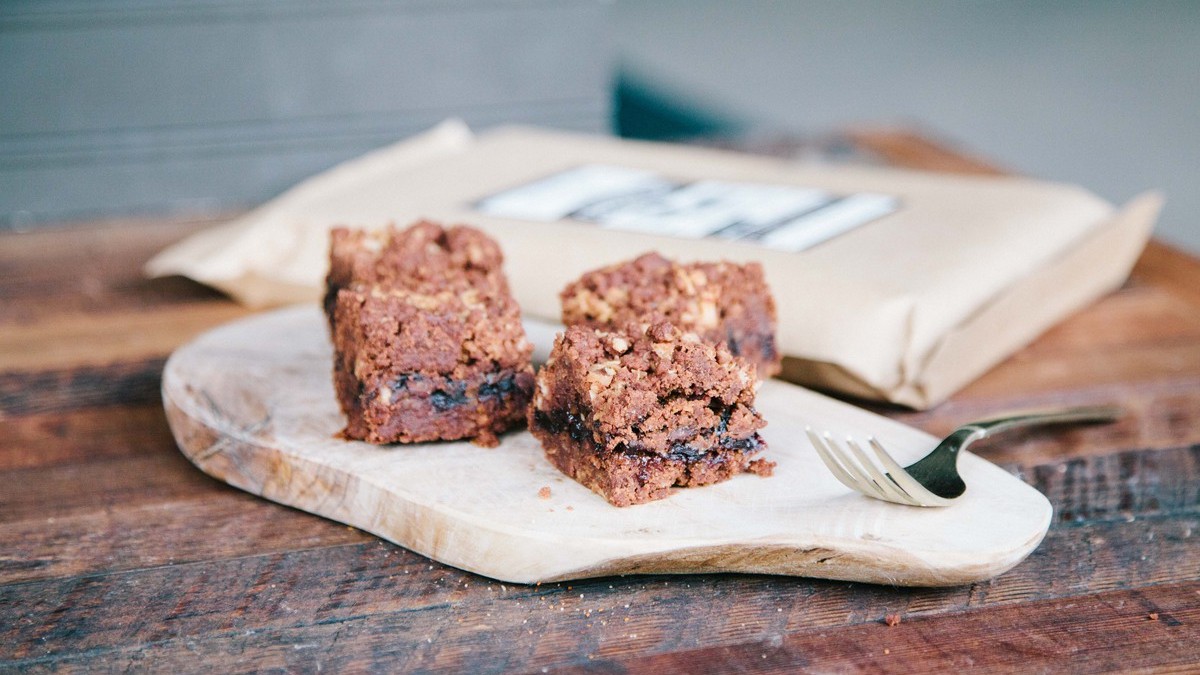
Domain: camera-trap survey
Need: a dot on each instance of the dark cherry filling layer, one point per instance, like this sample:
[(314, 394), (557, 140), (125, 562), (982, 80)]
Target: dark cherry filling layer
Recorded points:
[(562, 420), (496, 386)]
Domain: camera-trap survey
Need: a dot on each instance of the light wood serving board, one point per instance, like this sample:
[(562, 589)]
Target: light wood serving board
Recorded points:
[(252, 404)]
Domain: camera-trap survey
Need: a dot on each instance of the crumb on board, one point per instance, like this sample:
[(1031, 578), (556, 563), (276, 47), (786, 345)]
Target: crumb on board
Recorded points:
[(892, 619), (544, 493), (1153, 616), (761, 467)]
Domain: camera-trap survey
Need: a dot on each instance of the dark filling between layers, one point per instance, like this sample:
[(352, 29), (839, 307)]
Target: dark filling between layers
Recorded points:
[(566, 421), (501, 388), (766, 344), (454, 393)]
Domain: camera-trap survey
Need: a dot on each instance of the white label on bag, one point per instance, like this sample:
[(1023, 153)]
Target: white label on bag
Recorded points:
[(633, 200)]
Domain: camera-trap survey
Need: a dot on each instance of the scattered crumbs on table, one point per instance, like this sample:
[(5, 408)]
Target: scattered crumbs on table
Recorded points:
[(544, 493), (1153, 616), (886, 651), (892, 620)]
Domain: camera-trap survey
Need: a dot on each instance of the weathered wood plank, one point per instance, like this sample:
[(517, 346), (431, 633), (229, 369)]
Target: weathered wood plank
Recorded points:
[(1122, 485), (1138, 314), (51, 493), (97, 359), (1167, 363), (213, 524), (84, 435), (1170, 269), (134, 383), (76, 340), (90, 268), (376, 602), (1155, 415), (1155, 628), (1145, 531), (1136, 336), (911, 150)]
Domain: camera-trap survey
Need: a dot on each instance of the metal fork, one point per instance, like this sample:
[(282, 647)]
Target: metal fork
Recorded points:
[(932, 480)]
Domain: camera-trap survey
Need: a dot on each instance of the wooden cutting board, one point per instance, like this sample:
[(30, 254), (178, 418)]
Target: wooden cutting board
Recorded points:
[(251, 403)]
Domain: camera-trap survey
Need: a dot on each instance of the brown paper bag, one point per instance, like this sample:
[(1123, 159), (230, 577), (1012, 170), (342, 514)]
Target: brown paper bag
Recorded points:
[(891, 285)]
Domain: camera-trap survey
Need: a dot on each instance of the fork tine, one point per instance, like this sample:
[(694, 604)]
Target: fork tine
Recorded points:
[(858, 480), (834, 466), (890, 486), (903, 480), (891, 491), (868, 485)]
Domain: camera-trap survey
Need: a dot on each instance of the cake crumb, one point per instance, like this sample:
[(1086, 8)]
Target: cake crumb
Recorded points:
[(544, 493), (1153, 616), (761, 467), (892, 620), (886, 651)]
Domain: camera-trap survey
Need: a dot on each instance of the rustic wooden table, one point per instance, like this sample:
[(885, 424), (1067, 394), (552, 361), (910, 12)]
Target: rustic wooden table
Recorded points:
[(115, 553)]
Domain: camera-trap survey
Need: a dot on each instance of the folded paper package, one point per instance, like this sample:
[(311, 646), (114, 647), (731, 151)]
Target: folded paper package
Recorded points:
[(890, 285)]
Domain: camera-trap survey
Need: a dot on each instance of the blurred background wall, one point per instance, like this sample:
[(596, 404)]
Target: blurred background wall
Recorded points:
[(200, 105), (153, 106), (1097, 92)]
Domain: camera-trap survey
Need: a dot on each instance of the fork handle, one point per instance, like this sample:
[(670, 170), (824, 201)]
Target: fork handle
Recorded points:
[(1085, 414)]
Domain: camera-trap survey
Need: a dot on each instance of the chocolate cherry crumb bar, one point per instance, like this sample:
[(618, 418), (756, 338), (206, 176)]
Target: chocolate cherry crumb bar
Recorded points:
[(718, 301), (635, 413), (428, 342)]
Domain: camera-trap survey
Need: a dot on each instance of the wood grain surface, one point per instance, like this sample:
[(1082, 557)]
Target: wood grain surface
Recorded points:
[(117, 554)]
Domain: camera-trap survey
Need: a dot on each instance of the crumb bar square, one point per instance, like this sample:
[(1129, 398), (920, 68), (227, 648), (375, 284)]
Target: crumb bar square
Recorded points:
[(632, 414), (427, 338)]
